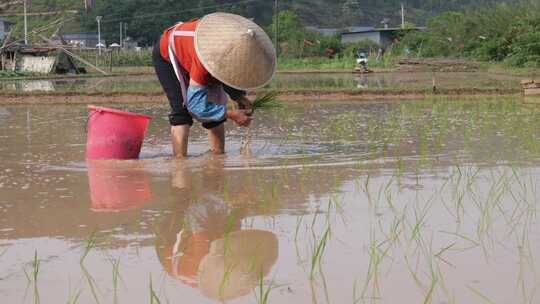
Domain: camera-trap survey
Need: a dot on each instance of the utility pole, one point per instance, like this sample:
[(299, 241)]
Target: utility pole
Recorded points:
[(121, 32), (276, 30), (98, 19), (25, 25), (402, 16), (125, 31)]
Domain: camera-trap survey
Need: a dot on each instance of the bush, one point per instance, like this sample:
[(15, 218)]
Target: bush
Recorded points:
[(133, 58), (502, 33)]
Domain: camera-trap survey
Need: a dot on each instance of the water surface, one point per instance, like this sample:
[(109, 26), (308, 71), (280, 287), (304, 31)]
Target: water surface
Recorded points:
[(310, 81), (383, 202)]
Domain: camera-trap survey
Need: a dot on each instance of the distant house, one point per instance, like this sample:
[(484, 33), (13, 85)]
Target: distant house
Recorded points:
[(383, 36), (326, 32), (5, 28), (83, 40)]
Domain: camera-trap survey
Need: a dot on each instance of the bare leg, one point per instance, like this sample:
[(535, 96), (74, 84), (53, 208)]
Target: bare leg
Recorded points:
[(216, 137), (180, 136)]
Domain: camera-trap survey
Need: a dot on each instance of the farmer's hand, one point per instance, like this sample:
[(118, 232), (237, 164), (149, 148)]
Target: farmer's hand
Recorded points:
[(240, 117), (245, 104)]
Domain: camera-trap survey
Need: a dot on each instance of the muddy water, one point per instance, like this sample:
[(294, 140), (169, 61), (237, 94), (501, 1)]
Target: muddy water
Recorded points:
[(141, 83), (346, 81), (428, 201)]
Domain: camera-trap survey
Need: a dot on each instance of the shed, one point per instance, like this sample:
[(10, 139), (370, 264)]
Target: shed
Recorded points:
[(382, 36), (35, 59)]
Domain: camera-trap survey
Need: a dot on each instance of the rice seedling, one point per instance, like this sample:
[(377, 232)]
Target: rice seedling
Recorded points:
[(480, 294), (115, 263), (228, 269), (264, 291), (324, 284), (154, 299), (297, 228), (89, 245), (443, 250), (229, 226), (318, 251), (420, 218), (376, 258), (433, 276), (91, 283), (33, 276), (355, 298), (266, 101), (73, 297)]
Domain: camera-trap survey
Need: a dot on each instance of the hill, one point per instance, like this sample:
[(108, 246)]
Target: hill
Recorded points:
[(146, 19)]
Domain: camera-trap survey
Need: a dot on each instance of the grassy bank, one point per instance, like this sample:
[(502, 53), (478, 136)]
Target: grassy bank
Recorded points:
[(500, 68)]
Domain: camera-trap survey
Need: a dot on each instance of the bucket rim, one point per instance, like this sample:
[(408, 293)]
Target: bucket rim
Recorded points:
[(116, 111)]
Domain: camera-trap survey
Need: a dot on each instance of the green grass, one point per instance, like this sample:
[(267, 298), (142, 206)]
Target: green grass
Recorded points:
[(4, 74), (325, 63)]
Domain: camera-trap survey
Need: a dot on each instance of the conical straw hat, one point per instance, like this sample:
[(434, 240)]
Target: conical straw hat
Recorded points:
[(235, 51)]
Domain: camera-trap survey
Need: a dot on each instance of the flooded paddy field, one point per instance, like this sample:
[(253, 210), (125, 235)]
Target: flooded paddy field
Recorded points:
[(417, 81), (432, 201)]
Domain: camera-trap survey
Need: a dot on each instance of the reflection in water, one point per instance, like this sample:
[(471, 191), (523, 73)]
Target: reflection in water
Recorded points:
[(117, 185), (204, 245), (4, 116), (37, 85)]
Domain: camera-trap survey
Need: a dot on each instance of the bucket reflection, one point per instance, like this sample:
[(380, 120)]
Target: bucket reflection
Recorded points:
[(117, 186)]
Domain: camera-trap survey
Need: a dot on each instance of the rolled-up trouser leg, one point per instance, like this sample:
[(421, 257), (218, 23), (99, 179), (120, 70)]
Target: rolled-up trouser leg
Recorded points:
[(165, 72)]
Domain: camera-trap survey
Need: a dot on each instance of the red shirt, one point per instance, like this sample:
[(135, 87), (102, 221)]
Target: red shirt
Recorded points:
[(185, 52)]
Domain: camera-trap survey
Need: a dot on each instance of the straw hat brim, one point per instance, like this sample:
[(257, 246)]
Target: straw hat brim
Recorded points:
[(235, 51)]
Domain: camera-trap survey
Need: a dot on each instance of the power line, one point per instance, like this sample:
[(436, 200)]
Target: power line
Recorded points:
[(177, 12)]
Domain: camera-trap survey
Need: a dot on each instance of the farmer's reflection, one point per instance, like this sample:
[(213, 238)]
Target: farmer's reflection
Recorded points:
[(204, 244), (363, 82), (117, 185)]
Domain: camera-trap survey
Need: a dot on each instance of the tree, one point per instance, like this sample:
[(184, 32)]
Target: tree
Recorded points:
[(352, 12)]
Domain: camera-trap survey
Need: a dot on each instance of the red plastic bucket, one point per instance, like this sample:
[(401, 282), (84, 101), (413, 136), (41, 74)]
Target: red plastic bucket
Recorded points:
[(117, 187), (115, 134)]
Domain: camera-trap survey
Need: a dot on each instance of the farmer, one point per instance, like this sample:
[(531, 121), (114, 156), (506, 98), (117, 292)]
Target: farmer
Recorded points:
[(200, 62)]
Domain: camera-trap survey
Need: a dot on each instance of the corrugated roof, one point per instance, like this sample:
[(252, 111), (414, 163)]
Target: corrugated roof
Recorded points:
[(358, 29), (80, 36)]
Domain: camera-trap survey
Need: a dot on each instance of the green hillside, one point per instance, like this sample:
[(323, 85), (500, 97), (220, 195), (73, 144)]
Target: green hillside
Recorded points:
[(146, 19), (41, 14)]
